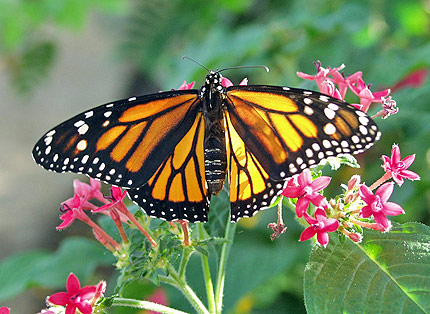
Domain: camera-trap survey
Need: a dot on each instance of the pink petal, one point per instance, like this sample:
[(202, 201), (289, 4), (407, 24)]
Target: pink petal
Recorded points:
[(305, 178), (395, 154), (292, 192), (59, 298), (226, 82), (331, 225), (320, 183), (407, 161), (73, 285), (320, 215), (366, 211), (308, 233), (244, 81), (385, 191), (306, 76), (85, 307), (68, 218), (353, 78), (397, 178), (4, 310), (87, 293), (70, 309), (392, 209), (366, 194), (317, 200), (377, 95), (309, 219), (301, 206), (410, 175), (323, 238), (381, 219)]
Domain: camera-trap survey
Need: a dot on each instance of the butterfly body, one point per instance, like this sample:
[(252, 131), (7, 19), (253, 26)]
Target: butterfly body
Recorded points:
[(173, 150), (215, 151)]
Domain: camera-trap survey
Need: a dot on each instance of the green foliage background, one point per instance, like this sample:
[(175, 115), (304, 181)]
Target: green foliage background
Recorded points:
[(386, 39)]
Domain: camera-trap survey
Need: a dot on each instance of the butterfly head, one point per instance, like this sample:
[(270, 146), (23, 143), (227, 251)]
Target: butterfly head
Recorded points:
[(213, 84)]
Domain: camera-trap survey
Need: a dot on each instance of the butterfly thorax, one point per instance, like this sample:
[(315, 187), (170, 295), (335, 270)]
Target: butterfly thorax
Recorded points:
[(212, 97)]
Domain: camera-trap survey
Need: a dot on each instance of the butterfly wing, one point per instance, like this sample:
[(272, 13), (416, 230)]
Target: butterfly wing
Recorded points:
[(288, 130), (122, 143), (178, 189), (251, 188)]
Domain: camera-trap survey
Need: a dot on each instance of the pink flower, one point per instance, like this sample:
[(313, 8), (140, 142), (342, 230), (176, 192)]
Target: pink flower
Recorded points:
[(415, 79), (75, 297), (88, 191), (377, 204), (389, 107), (158, 296), (366, 96), (320, 225), (227, 83), (117, 197), (306, 191), (67, 208), (397, 168), (322, 74), (184, 85), (4, 310)]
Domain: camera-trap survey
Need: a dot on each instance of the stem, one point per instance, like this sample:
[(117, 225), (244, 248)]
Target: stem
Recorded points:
[(381, 180), (207, 275), (225, 250), (184, 261), (187, 291), (151, 306)]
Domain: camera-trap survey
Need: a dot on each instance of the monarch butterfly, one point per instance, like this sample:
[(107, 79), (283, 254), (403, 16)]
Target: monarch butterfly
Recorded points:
[(173, 150)]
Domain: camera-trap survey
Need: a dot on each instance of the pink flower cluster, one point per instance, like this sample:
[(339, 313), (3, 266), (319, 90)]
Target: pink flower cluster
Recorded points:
[(328, 78), (359, 206), (371, 205)]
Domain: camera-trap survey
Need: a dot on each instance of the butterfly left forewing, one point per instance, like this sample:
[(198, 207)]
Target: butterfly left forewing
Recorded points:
[(288, 129), (178, 189)]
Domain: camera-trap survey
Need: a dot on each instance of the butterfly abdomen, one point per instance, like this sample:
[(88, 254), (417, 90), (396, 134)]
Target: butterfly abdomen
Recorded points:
[(215, 156)]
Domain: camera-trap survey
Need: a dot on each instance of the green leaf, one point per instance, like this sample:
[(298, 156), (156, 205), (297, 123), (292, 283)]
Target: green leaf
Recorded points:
[(219, 213), (40, 268), (386, 273)]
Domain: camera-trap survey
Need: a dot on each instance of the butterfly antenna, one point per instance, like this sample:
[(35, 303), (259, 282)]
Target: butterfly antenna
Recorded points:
[(191, 59), (246, 67)]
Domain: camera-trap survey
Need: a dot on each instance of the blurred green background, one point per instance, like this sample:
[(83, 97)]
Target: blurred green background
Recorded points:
[(60, 57)]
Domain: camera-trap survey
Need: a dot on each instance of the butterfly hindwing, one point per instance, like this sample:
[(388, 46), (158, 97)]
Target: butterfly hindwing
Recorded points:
[(251, 188), (122, 143), (288, 130), (178, 190)]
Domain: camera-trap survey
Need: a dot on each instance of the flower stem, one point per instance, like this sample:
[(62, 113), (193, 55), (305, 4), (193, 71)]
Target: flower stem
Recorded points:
[(151, 306), (186, 253), (225, 250), (381, 180), (187, 291), (207, 275)]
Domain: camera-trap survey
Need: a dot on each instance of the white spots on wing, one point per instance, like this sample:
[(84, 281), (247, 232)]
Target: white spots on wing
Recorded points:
[(132, 99), (329, 129), (48, 140), (85, 159), (107, 114), (307, 101), (106, 123), (308, 110), (324, 98), (50, 133), (47, 150), (89, 114), (330, 114), (83, 129), (82, 145), (79, 123), (333, 106)]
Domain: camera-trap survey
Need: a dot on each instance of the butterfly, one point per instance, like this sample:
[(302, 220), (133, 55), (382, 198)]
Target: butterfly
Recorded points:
[(173, 150)]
